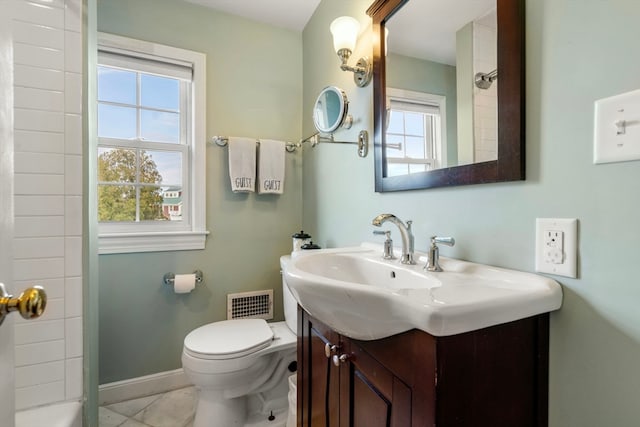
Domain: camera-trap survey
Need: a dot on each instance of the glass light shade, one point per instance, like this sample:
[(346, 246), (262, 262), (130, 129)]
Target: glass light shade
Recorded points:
[(345, 32)]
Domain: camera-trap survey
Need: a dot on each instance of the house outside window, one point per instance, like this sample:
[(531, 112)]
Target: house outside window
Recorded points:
[(172, 204), (151, 141)]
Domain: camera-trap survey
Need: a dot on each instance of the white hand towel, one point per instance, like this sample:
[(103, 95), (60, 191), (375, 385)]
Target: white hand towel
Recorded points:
[(271, 165), (242, 164)]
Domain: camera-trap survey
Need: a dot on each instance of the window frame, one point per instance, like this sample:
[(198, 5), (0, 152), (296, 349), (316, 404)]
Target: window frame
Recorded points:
[(190, 234), (427, 101)]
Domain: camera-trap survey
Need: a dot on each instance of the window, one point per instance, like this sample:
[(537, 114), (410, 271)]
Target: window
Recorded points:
[(150, 156), (415, 132)]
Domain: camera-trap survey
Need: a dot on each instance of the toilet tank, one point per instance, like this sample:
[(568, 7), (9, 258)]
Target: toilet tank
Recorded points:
[(290, 303)]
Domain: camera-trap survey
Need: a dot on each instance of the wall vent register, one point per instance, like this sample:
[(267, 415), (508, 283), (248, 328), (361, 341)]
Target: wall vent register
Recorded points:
[(250, 305)]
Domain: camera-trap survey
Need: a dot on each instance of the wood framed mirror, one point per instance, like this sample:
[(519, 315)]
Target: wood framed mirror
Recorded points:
[(461, 159)]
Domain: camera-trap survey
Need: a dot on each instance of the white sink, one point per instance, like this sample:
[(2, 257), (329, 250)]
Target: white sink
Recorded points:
[(362, 296)]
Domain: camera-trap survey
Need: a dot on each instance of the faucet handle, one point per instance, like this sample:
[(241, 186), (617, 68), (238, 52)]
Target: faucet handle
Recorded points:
[(388, 244), (433, 255), (449, 241)]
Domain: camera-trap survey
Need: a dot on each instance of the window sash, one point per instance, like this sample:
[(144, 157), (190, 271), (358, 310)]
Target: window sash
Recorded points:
[(140, 66)]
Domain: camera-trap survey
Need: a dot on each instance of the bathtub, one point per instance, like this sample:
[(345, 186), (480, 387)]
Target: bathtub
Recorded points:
[(65, 414)]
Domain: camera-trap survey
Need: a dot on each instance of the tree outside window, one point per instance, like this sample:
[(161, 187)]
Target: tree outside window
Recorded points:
[(120, 200)]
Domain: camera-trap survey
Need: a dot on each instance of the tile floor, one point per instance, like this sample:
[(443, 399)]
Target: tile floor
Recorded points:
[(172, 409)]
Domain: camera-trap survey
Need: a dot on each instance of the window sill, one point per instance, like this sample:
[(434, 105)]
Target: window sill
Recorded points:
[(124, 243)]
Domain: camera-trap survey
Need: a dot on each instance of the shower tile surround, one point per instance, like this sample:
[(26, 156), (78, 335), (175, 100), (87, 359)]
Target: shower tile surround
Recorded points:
[(47, 44), (485, 100)]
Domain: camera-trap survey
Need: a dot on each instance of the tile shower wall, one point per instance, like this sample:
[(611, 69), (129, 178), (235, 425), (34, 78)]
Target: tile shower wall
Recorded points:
[(485, 111), (47, 43)]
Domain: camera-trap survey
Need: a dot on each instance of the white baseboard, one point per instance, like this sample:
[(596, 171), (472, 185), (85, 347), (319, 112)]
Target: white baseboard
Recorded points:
[(142, 386)]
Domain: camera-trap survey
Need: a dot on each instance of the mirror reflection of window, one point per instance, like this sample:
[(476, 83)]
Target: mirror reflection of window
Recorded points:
[(414, 137)]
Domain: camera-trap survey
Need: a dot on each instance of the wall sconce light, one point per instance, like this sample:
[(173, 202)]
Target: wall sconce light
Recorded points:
[(345, 32)]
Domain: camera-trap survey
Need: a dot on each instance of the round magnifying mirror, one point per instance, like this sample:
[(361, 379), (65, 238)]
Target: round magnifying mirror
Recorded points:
[(330, 111)]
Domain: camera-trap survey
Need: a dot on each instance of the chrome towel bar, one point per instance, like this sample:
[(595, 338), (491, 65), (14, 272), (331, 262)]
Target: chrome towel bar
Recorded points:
[(223, 141)]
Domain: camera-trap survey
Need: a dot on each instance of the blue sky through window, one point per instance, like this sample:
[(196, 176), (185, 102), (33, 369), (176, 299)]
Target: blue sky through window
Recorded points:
[(116, 122), (169, 165), (116, 86), (159, 92)]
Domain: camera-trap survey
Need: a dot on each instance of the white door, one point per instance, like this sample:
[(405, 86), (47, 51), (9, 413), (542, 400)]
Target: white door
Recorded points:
[(7, 398)]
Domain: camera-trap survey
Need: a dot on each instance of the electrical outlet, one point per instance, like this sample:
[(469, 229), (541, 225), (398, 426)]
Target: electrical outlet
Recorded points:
[(553, 246), (557, 246)]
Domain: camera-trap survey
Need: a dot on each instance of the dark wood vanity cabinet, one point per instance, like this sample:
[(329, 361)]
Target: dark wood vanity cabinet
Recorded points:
[(493, 377)]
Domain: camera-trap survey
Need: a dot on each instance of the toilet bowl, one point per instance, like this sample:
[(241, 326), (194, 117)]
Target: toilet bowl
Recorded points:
[(241, 368)]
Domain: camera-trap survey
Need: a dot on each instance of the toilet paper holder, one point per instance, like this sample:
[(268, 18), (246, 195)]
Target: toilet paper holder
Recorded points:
[(169, 278)]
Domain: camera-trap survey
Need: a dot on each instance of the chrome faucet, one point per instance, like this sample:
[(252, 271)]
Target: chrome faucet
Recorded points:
[(405, 233)]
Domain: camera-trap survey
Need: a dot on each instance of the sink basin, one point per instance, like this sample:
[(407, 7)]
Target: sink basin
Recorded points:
[(362, 296)]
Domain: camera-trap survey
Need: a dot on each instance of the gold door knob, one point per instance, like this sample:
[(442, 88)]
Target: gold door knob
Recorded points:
[(30, 304)]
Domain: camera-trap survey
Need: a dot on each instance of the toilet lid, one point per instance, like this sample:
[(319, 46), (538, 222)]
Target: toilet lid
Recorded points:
[(229, 339)]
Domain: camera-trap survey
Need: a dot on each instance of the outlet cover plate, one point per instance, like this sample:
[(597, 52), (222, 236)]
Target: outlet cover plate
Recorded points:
[(568, 227)]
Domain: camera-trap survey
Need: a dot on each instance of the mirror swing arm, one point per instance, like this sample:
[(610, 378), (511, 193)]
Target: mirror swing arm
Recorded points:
[(510, 165), (362, 142), (330, 112)]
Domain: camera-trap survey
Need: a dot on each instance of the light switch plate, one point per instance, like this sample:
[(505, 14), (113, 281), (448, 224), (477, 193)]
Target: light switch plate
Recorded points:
[(557, 246), (616, 131)]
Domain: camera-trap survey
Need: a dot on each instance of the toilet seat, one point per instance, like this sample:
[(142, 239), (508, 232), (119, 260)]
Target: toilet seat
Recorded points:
[(228, 339)]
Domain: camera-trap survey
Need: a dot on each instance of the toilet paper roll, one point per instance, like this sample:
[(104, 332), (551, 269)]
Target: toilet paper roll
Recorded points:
[(184, 283)]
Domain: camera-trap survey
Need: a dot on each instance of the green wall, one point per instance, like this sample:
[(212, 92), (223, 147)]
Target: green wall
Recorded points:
[(254, 89), (577, 52), (408, 73)]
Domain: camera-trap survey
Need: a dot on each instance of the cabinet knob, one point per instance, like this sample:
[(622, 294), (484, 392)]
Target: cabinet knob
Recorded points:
[(337, 360), (330, 349)]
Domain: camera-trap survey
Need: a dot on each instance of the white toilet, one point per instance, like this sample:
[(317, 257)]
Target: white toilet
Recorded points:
[(240, 368)]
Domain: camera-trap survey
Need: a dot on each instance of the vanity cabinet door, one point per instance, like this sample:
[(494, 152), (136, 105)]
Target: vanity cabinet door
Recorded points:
[(318, 381), (496, 376), (356, 392), (370, 395)]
